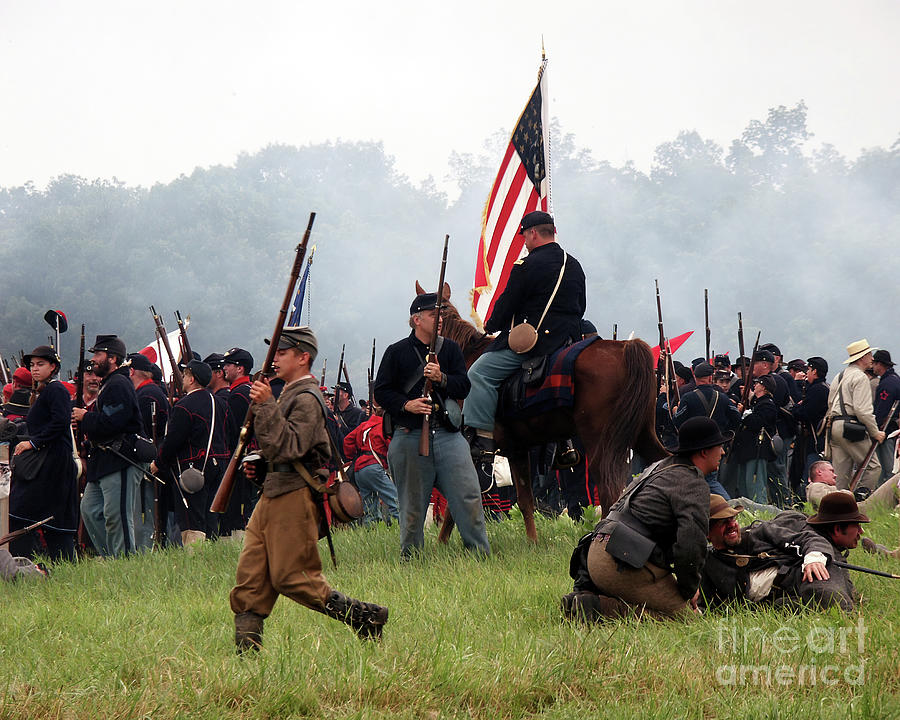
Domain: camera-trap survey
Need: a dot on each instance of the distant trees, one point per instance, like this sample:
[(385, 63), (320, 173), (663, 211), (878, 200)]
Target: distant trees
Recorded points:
[(798, 240)]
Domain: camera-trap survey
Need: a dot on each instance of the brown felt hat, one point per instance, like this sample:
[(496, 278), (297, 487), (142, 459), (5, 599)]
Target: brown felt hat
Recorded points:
[(719, 509), (838, 507)]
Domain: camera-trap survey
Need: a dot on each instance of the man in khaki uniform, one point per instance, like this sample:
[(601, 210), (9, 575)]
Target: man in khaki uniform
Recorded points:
[(850, 399), (281, 555)]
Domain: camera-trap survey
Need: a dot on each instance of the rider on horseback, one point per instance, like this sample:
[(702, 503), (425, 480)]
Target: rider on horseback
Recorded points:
[(545, 290)]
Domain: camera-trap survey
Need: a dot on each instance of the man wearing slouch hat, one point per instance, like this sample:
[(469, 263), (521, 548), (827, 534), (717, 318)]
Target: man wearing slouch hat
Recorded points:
[(851, 421)]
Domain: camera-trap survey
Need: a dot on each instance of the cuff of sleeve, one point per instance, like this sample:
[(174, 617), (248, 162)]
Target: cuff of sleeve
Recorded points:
[(814, 557)]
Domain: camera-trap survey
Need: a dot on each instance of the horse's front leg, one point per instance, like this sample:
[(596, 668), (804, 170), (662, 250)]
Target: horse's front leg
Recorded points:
[(520, 468)]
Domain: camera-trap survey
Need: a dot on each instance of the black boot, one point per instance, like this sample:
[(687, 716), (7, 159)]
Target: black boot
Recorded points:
[(248, 629), (482, 448), (367, 619)]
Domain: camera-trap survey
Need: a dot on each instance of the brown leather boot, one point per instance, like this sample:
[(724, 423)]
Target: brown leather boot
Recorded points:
[(366, 619), (248, 629)]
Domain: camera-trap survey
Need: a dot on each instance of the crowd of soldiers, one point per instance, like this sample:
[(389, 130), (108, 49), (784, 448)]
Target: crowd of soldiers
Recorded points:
[(152, 467)]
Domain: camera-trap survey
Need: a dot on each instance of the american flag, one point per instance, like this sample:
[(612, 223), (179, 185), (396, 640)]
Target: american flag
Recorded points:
[(522, 185), (297, 308)]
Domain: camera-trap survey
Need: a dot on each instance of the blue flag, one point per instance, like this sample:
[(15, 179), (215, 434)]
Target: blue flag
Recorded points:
[(297, 308)]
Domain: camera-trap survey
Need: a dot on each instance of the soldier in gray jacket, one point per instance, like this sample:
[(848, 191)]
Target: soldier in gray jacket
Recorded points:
[(788, 560), (647, 554)]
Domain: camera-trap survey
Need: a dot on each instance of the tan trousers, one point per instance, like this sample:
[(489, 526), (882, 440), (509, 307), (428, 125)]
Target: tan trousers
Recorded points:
[(846, 456), (651, 587), (280, 556)]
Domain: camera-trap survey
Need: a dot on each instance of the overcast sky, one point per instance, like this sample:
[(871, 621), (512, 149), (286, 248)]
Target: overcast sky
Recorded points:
[(146, 91)]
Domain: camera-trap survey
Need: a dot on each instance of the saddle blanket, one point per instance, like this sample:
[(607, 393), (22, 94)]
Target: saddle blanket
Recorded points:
[(558, 388)]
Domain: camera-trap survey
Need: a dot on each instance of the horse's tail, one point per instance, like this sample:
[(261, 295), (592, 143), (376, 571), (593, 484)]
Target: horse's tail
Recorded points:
[(631, 412)]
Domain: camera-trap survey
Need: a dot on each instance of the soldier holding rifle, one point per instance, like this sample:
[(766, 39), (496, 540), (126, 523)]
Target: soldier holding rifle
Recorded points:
[(280, 555), (448, 465)]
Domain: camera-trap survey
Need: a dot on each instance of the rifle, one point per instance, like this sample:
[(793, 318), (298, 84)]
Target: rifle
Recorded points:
[(748, 374), (862, 466), (226, 487), (157, 530), (706, 316), (346, 374), (664, 347), (324, 367), (371, 407), (662, 343), (425, 437), (860, 568), (186, 354), (17, 533), (340, 367), (741, 346), (4, 371), (616, 332), (176, 373)]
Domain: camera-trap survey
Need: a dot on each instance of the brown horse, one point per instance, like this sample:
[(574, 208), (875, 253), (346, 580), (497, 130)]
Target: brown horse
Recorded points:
[(615, 393)]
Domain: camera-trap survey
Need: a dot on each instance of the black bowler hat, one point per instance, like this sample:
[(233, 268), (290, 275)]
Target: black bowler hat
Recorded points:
[(772, 348), (110, 344), (883, 357), (700, 433), (538, 217), (200, 370), (763, 356), (819, 364), (216, 361), (838, 507), (141, 362), (239, 356), (704, 370), (426, 301), (41, 351)]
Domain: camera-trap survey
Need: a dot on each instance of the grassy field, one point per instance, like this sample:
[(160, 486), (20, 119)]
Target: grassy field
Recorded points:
[(151, 637)]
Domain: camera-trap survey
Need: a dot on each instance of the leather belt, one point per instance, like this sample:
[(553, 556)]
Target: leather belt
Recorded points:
[(283, 468)]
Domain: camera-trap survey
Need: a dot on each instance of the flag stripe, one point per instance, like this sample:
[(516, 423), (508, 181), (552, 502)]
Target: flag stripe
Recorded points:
[(512, 195)]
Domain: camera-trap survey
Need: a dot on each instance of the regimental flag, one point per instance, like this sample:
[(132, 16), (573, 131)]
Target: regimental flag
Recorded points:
[(297, 309), (522, 185), (674, 343)]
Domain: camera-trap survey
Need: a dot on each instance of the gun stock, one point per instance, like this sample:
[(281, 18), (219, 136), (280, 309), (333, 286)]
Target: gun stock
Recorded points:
[(226, 487), (857, 476)]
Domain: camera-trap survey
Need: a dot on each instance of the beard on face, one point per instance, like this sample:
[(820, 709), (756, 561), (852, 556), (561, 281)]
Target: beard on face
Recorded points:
[(101, 367)]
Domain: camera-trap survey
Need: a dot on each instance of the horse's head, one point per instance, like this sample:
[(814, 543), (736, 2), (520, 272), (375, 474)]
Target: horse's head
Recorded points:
[(454, 327)]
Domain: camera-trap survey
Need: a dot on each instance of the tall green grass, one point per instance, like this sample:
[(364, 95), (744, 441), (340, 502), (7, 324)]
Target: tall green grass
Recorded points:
[(152, 637)]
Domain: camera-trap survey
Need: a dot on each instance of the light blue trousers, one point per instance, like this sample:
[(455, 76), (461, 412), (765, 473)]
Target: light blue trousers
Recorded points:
[(449, 468), (108, 509), (486, 375)]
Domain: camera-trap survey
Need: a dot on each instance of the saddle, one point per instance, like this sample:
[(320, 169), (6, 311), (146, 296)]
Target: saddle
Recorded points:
[(512, 391), (542, 383)]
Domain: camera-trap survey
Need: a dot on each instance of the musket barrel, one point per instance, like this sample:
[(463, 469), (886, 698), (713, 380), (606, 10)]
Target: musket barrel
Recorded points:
[(226, 487)]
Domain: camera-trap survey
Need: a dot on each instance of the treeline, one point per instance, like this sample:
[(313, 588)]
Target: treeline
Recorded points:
[(802, 242)]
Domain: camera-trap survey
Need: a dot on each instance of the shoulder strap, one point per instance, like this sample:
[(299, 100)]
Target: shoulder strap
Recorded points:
[(709, 410), (212, 427), (562, 271), (335, 455), (417, 373)]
